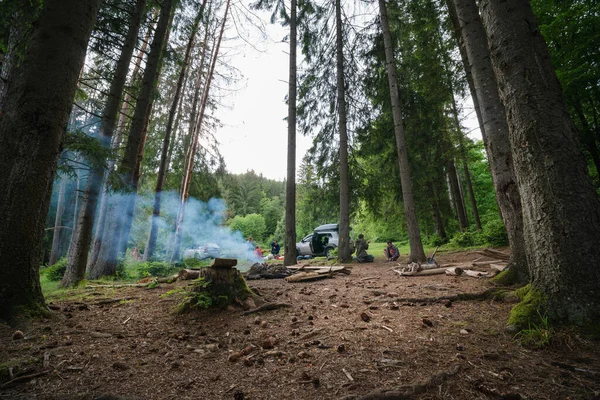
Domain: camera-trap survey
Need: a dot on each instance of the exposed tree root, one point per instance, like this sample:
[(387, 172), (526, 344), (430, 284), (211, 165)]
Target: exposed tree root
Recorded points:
[(406, 392), (266, 307), (490, 294), (23, 378)]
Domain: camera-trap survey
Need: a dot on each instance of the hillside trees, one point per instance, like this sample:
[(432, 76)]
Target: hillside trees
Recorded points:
[(35, 109)]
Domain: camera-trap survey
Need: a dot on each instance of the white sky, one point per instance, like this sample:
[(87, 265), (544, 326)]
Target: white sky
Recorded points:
[(254, 131)]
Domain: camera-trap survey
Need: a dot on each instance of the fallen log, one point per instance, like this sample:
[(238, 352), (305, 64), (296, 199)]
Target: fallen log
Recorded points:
[(454, 271), (223, 263), (307, 276), (435, 271), (188, 274), (491, 253), (498, 267), (476, 274), (484, 263)]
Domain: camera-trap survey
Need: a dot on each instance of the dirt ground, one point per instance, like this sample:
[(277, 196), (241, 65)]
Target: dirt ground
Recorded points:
[(125, 343)]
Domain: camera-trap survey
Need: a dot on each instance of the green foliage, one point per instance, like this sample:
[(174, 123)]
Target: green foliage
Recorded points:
[(55, 272), (537, 335), (155, 268), (467, 239), (531, 306), (435, 240), (494, 233), (197, 298), (251, 225)]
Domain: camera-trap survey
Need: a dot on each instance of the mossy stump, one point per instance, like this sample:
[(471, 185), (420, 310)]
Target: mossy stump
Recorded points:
[(220, 285)]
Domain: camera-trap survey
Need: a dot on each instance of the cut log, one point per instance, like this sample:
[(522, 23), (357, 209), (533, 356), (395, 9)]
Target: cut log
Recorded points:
[(454, 271), (476, 274), (223, 262), (436, 271), (306, 276), (188, 274), (491, 253), (484, 263), (498, 267)]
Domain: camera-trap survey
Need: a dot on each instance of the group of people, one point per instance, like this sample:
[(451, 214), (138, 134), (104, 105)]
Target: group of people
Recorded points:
[(255, 251), (391, 252)]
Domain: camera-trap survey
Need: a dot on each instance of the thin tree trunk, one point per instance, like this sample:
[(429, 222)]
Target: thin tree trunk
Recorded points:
[(104, 202), (56, 232), (561, 211), (417, 253), (34, 117), (587, 135), (495, 132), (162, 169), (193, 148), (344, 253), (437, 215), (289, 255), (82, 235), (130, 167), (457, 196)]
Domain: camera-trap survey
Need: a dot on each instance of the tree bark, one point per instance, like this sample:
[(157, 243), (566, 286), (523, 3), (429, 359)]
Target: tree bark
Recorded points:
[(417, 253), (495, 132), (39, 96), (344, 252), (459, 205), (82, 235), (289, 255), (130, 166), (561, 211), (437, 215), (162, 169)]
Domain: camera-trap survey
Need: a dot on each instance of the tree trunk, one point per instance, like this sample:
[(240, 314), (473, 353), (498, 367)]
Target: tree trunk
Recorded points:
[(82, 235), (495, 132), (191, 155), (289, 255), (104, 203), (414, 234), (162, 169), (457, 196), (34, 117), (130, 167), (561, 211), (56, 233), (345, 253), (437, 215)]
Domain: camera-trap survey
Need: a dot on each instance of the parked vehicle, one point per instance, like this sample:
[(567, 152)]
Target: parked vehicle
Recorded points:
[(321, 242), (207, 250)]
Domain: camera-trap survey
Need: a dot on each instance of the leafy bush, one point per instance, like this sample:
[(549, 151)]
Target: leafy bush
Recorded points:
[(494, 233), (251, 225), (155, 268), (436, 240), (55, 272), (467, 239)]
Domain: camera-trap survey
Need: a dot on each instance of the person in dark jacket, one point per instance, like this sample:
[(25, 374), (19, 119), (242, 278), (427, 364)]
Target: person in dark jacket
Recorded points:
[(275, 248), (361, 250), (391, 252)]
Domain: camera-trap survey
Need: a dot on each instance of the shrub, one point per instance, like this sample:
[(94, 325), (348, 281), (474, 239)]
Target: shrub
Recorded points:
[(494, 233), (55, 272), (436, 240), (467, 239), (155, 268)]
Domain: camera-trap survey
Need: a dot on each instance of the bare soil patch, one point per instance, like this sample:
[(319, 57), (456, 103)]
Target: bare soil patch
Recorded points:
[(342, 337)]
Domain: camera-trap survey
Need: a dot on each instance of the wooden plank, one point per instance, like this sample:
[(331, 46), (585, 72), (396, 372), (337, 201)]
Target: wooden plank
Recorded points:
[(484, 263), (306, 276), (436, 271), (498, 267)]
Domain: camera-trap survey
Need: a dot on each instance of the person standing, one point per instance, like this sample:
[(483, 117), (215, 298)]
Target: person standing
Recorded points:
[(361, 250)]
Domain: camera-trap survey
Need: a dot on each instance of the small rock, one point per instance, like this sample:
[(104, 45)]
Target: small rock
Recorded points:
[(310, 317), (427, 322), (53, 307), (294, 319), (263, 324), (464, 332), (120, 366), (365, 317), (302, 354), (460, 347), (278, 293), (233, 357), (248, 349), (18, 335), (341, 348)]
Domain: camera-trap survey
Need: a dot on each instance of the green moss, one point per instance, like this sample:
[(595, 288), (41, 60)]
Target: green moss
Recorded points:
[(528, 311), (17, 365), (505, 278)]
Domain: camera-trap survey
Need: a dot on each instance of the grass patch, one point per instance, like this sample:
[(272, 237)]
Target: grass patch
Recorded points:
[(537, 335)]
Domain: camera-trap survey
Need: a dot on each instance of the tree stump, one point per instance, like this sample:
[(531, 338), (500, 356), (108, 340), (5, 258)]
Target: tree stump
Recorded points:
[(220, 285)]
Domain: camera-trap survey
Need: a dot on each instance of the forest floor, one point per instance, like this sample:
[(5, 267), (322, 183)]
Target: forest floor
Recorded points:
[(126, 343)]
